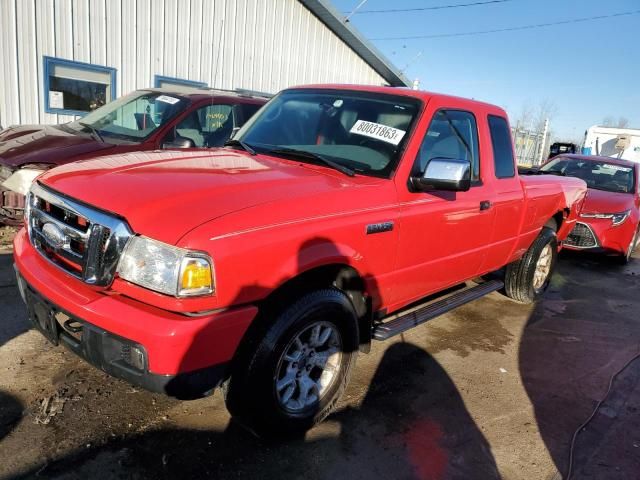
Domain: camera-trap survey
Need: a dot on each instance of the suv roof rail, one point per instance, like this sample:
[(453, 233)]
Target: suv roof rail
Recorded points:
[(240, 91), (253, 93)]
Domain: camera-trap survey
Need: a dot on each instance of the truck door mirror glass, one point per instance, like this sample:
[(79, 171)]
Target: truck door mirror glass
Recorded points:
[(179, 142), (444, 174)]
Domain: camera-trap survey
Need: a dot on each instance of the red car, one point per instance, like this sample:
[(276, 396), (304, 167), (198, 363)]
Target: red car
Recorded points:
[(143, 120), (611, 213), (267, 265)]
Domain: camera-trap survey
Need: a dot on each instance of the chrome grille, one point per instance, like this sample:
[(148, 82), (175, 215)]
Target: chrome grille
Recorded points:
[(81, 240), (581, 237)]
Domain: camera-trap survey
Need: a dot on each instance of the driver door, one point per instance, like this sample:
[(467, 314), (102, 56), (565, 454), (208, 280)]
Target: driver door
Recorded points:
[(443, 235)]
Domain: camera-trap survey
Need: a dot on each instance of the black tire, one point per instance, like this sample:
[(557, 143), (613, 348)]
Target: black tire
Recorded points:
[(251, 393), (626, 257), (519, 275)]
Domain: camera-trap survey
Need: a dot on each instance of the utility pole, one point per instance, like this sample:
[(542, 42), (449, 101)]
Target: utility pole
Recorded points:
[(545, 131)]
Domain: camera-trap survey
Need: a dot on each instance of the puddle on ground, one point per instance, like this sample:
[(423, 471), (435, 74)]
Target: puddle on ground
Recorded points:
[(471, 329)]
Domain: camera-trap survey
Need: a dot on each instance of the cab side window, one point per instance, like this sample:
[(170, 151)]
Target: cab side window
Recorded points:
[(502, 147), (451, 134)]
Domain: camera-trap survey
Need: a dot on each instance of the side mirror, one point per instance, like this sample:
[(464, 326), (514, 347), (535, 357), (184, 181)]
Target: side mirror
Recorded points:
[(444, 174), (179, 142)]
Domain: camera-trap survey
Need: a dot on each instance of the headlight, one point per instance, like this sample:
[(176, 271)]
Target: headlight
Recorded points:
[(5, 172), (616, 218), (20, 181), (165, 268)]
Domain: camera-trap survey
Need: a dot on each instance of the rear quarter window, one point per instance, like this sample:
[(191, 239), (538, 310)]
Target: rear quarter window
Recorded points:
[(502, 147)]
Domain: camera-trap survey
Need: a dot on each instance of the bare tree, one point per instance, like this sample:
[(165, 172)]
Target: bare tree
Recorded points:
[(608, 121), (623, 122), (545, 110)]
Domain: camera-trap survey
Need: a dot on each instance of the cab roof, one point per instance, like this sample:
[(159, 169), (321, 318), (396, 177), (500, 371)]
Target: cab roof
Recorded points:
[(400, 91)]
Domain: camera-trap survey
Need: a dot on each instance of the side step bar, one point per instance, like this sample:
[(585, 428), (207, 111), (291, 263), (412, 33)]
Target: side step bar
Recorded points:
[(403, 321)]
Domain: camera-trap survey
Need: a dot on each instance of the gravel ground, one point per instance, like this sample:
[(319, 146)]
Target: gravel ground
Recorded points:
[(493, 390)]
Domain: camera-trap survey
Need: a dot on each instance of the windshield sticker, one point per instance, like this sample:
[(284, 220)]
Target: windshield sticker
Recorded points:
[(168, 99), (378, 131), (617, 168)]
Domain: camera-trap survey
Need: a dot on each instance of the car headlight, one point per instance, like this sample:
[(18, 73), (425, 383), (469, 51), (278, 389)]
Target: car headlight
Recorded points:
[(5, 172), (165, 268), (20, 181), (616, 218)]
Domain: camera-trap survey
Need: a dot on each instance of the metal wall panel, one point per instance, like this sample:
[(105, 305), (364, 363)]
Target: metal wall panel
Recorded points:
[(256, 44)]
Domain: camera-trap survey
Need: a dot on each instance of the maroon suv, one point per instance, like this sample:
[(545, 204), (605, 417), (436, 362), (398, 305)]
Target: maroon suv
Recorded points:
[(143, 120)]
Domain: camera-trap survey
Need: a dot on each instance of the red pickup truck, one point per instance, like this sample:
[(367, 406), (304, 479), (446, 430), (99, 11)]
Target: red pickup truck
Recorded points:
[(337, 215)]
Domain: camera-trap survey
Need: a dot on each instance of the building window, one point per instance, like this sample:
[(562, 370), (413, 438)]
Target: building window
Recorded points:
[(162, 81), (76, 88)]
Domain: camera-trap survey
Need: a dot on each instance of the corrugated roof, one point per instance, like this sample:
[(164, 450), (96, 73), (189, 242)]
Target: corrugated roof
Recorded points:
[(370, 54)]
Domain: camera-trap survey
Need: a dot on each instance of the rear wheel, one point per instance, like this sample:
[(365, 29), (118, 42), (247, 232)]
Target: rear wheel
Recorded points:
[(526, 279), (295, 372)]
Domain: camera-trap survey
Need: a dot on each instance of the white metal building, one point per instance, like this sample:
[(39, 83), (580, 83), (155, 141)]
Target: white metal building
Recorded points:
[(61, 58)]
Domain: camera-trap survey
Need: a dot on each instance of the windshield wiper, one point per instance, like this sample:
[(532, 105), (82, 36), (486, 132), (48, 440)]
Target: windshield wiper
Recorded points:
[(314, 156), (239, 143), (94, 131)]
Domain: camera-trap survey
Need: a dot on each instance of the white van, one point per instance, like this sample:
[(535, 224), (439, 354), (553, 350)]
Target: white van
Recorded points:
[(613, 142)]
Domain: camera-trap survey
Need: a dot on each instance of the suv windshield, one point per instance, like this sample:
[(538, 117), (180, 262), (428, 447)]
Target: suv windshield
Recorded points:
[(362, 131), (131, 118), (598, 175)]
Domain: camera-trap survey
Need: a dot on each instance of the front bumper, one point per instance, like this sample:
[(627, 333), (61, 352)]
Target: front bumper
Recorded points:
[(185, 357), (599, 235)]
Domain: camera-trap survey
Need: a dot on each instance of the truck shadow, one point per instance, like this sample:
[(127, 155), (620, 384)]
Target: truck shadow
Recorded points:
[(583, 330), (10, 413), (14, 321), (411, 423)]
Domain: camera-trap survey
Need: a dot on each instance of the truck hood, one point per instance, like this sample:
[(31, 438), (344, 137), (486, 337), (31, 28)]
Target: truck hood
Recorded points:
[(165, 194), (44, 144), (600, 201)]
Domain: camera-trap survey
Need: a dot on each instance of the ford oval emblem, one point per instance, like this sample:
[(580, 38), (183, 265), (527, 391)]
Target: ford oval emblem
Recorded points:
[(54, 235)]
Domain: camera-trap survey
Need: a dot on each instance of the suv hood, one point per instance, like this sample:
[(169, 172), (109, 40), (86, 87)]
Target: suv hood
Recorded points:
[(165, 194), (600, 201), (44, 144)]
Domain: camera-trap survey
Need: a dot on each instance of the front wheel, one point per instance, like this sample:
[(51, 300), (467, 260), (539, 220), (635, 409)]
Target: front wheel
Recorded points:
[(295, 373), (626, 257), (526, 279)]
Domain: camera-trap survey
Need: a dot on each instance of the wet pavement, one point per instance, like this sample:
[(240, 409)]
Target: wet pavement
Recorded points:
[(493, 390)]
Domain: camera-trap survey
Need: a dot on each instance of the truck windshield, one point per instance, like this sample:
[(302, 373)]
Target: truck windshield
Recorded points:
[(599, 175), (130, 118), (362, 131)]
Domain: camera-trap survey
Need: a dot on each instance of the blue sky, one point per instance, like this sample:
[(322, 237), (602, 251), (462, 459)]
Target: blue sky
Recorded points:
[(588, 71)]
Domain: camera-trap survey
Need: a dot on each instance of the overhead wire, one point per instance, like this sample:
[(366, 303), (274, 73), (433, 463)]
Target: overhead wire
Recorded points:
[(437, 7), (510, 29)]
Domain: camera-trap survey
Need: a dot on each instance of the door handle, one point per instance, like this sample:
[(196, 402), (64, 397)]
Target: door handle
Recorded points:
[(485, 205)]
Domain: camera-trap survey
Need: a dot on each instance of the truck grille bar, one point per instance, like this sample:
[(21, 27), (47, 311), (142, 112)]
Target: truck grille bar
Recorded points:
[(81, 240)]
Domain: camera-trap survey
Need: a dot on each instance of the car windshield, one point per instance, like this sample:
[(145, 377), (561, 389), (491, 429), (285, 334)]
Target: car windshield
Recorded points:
[(131, 118), (362, 131), (597, 174)]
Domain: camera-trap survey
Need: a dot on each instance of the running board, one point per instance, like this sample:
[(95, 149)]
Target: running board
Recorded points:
[(403, 321)]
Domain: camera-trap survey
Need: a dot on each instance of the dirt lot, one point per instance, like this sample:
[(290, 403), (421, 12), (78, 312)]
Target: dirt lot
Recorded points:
[(493, 390)]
